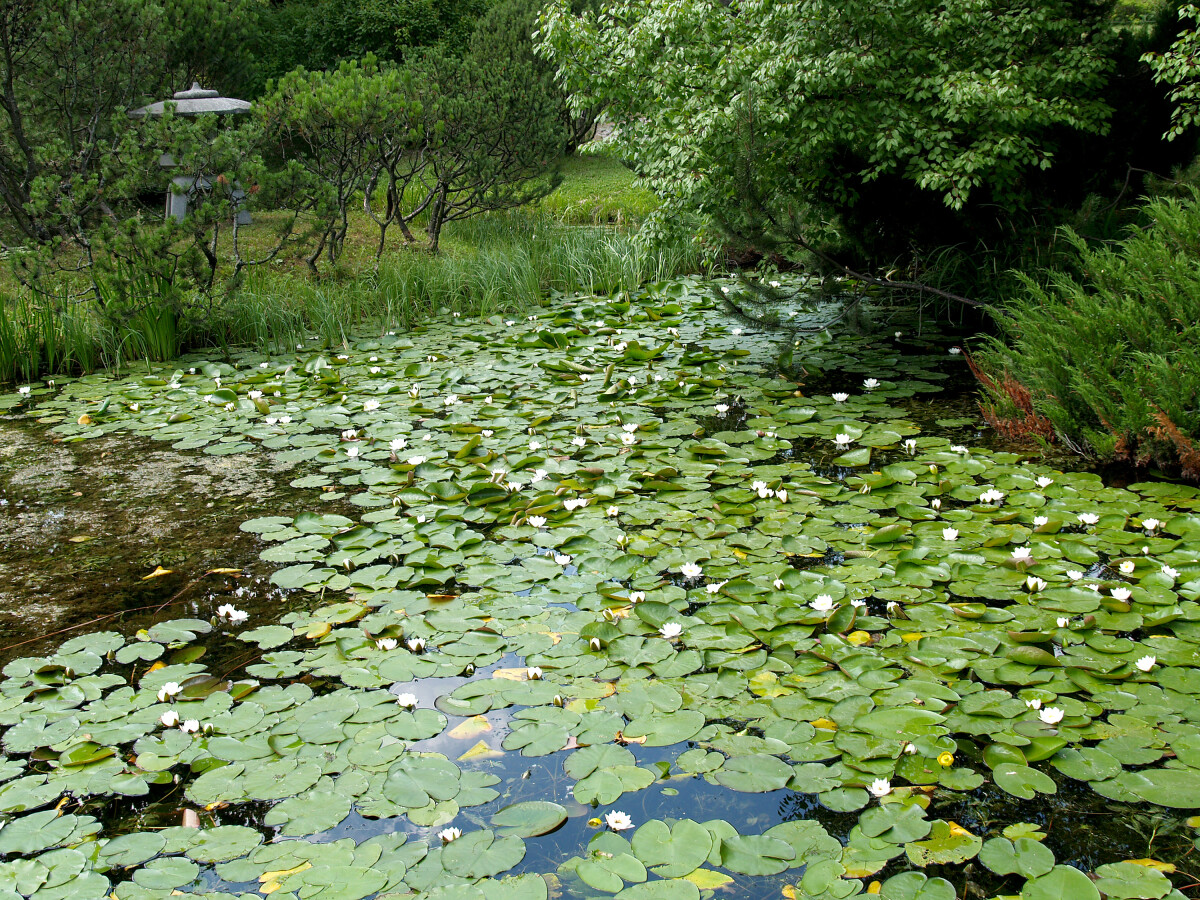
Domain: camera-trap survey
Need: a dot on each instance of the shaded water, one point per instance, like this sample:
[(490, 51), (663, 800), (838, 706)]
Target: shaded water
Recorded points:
[(84, 525)]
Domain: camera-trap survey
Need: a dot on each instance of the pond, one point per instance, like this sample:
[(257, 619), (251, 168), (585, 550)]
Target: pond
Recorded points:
[(591, 602)]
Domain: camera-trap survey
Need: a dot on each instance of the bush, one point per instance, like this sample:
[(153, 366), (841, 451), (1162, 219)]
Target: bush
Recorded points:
[(1109, 354)]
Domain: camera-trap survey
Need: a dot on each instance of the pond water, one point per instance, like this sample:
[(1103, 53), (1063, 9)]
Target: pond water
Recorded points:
[(594, 602)]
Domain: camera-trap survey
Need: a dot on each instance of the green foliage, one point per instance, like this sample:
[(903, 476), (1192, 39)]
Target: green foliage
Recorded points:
[(321, 34), (70, 65), (1179, 67), (349, 128), (1110, 354), (769, 120), (496, 135)]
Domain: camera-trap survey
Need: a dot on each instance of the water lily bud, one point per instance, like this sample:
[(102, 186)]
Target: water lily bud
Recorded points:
[(594, 644), (558, 700)]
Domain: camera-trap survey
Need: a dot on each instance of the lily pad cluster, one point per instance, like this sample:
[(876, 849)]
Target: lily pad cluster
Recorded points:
[(609, 538)]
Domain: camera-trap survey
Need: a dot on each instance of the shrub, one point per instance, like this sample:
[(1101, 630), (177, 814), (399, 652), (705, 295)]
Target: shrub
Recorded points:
[(1110, 352)]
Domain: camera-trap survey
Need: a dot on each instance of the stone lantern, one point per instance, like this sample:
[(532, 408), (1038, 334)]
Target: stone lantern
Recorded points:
[(195, 101)]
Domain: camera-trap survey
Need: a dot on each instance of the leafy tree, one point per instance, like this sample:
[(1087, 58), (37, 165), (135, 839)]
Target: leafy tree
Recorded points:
[(1179, 67), (66, 68), (349, 128), (505, 35), (321, 34), (769, 120), (495, 135)]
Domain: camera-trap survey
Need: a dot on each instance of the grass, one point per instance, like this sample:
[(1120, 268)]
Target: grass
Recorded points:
[(493, 264), (598, 190)]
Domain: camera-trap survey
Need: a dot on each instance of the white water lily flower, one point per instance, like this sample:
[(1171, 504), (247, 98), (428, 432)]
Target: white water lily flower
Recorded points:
[(577, 503), (451, 400), (1051, 715), (487, 432), (1074, 574), (1127, 567), (414, 391), (759, 486), (535, 445), (843, 440), (959, 448), (408, 701), (737, 331), (537, 521), (1034, 584), (949, 534), (777, 584), (170, 718), (285, 420), (630, 427), (446, 835), (781, 496), (370, 405), (1039, 521), (1170, 572), (858, 604), (421, 519), (637, 596), (880, 787), (911, 445), (628, 440), (773, 284), (1044, 482), (387, 643), (270, 420), (671, 630), (871, 383), (534, 673), (350, 434), (764, 492), (1021, 554), (563, 559), (840, 397), (991, 496), (721, 408), (1034, 704), (823, 604), (579, 441), (397, 444), (936, 503), (189, 726), (690, 570), (612, 511), (167, 691), (891, 606), (1062, 621), (715, 587), (1151, 524), (238, 616), (1089, 518), (352, 452), (226, 609), (374, 370), (1146, 663), (416, 460), (1120, 593), (415, 645), (618, 821), (954, 351)]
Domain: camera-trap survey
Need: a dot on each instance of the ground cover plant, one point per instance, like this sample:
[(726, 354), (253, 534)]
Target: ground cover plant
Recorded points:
[(1104, 354), (619, 611)]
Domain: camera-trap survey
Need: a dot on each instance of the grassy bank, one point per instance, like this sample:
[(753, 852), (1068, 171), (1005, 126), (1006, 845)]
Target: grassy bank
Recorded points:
[(495, 263)]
